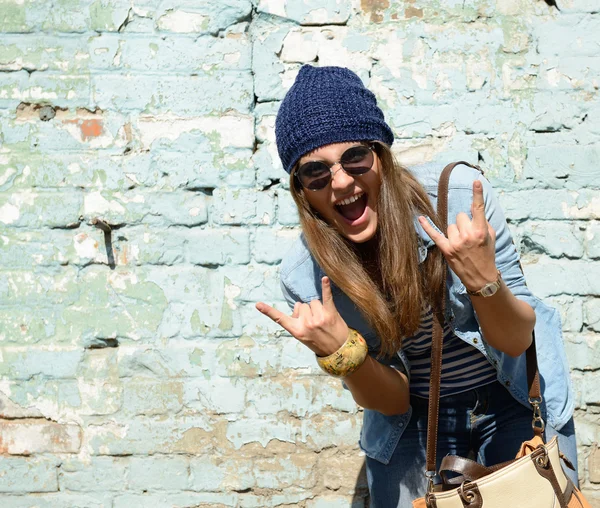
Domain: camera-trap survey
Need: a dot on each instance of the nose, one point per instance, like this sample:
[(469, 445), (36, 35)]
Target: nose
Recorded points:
[(340, 179)]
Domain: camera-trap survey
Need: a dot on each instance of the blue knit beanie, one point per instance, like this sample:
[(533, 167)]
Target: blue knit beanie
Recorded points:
[(327, 105)]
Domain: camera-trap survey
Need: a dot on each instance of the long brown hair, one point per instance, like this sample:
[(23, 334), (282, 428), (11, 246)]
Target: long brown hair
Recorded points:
[(392, 294)]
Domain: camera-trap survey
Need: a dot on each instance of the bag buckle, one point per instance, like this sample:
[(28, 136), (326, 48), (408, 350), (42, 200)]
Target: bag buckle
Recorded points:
[(544, 457), (430, 475), (467, 496), (538, 422)]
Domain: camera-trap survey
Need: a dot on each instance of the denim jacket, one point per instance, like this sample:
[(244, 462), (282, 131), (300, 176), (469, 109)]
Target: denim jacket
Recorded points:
[(301, 281)]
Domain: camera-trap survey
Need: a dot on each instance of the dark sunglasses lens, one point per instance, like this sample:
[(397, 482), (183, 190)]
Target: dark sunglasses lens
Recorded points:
[(357, 160), (314, 175)]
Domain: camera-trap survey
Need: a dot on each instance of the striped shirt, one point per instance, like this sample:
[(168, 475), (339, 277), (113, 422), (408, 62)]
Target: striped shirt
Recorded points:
[(463, 366)]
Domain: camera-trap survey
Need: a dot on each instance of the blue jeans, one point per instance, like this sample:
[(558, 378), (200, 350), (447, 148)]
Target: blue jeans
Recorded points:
[(486, 424)]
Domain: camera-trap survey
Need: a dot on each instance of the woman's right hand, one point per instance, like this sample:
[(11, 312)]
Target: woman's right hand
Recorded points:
[(317, 325)]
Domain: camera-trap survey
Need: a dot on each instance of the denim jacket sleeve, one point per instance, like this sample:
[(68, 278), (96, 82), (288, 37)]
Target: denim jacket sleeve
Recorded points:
[(558, 401), (288, 295)]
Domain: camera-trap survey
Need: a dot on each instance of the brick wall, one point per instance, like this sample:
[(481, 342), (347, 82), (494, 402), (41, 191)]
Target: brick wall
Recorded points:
[(134, 369)]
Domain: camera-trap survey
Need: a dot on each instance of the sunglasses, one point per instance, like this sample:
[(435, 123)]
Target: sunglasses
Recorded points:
[(316, 175)]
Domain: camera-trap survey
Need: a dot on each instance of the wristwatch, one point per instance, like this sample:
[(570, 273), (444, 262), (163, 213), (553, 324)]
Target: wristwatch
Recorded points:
[(489, 289)]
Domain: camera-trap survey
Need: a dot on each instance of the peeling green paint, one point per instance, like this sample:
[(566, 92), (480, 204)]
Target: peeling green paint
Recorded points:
[(197, 324), (101, 16), (131, 311), (226, 322), (100, 175), (196, 356), (13, 17)]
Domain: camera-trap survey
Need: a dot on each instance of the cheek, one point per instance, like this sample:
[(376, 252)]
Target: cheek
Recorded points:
[(373, 179), (319, 203), (374, 186)]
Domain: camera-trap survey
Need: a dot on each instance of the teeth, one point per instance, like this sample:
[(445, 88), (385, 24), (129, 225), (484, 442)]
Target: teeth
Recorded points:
[(349, 200)]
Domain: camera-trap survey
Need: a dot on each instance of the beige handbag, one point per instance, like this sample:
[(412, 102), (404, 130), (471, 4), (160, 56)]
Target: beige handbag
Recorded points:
[(535, 479)]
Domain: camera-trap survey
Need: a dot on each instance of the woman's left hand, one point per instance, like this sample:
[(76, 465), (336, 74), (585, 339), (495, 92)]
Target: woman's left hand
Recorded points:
[(470, 248)]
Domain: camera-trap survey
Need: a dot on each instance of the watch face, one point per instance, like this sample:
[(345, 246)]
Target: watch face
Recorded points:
[(489, 289)]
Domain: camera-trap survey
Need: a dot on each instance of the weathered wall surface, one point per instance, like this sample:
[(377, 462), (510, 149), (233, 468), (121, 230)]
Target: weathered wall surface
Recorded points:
[(134, 368)]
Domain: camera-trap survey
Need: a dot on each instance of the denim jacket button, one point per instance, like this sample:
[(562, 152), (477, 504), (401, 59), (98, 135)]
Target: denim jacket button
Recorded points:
[(507, 383), (475, 341)]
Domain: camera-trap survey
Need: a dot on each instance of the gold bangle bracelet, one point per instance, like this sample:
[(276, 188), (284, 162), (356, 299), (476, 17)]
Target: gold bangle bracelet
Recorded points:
[(349, 357)]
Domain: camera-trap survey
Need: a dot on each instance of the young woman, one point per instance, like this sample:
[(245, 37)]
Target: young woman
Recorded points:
[(370, 260)]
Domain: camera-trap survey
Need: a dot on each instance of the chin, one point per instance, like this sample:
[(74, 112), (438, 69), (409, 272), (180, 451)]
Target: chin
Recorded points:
[(362, 236)]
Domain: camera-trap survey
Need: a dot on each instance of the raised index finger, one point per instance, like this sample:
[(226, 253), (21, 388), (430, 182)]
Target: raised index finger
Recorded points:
[(327, 296), (276, 315), (478, 210)]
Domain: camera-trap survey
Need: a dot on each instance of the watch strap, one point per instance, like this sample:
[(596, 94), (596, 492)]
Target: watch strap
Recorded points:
[(480, 292)]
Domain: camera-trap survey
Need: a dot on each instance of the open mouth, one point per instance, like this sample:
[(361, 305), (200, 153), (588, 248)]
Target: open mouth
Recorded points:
[(353, 208)]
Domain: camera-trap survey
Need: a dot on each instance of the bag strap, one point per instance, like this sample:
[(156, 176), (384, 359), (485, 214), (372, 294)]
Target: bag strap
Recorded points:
[(468, 469), (533, 378)]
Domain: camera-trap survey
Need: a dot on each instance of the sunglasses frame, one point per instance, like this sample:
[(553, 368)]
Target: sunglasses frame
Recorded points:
[(370, 145)]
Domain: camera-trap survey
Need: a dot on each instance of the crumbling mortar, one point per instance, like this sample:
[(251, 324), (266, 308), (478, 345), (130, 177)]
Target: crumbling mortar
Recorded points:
[(25, 419), (131, 15)]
